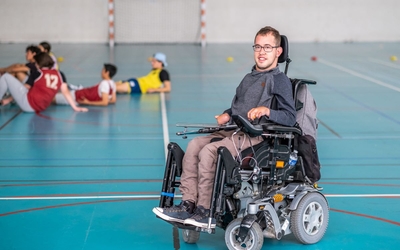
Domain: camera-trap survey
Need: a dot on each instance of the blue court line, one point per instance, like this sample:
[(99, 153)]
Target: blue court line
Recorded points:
[(364, 105), (9, 120), (329, 128)]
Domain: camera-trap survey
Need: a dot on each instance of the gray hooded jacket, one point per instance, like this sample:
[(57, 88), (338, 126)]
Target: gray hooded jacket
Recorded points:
[(258, 88)]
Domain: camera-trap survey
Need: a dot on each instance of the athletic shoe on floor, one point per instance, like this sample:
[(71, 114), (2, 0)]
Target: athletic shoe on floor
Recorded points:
[(176, 213), (200, 218)]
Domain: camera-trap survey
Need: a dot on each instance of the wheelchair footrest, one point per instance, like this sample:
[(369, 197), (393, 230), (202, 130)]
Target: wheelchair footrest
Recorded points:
[(190, 227)]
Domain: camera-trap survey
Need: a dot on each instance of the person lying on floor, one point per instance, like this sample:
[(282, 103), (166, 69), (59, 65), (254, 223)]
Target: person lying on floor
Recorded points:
[(157, 80), (101, 94)]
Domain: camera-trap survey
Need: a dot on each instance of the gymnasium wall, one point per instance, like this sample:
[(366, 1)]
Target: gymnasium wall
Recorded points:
[(178, 21)]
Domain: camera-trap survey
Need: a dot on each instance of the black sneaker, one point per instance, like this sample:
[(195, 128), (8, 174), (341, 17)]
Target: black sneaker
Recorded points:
[(200, 218), (177, 213)]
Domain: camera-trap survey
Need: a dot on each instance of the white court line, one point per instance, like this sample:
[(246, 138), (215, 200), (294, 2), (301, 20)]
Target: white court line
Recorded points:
[(165, 123), (78, 138), (392, 65), (176, 196), (354, 73), (96, 197)]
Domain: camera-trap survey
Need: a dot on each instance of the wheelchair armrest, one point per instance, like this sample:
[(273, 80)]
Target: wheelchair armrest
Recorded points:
[(306, 81), (281, 128), (246, 126)]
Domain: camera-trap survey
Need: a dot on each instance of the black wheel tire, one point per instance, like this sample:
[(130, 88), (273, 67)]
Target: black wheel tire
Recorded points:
[(310, 220), (190, 236), (253, 241)]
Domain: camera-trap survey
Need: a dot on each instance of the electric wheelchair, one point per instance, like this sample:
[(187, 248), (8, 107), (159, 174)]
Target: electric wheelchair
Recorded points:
[(261, 195)]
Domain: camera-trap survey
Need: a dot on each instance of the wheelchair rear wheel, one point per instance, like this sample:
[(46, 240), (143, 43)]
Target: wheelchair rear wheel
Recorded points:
[(253, 241), (190, 236), (310, 220)]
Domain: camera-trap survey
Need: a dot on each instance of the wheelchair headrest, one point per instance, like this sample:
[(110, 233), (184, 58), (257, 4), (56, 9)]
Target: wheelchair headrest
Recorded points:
[(285, 49)]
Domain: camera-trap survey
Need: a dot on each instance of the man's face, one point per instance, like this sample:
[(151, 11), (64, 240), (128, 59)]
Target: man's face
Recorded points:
[(266, 60), (29, 56), (104, 73)]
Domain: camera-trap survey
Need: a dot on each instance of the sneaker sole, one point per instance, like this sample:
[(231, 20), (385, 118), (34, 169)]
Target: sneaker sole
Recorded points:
[(197, 224), (166, 217)]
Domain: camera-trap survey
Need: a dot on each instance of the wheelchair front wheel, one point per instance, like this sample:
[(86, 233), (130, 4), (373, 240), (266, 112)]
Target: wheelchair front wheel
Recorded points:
[(190, 236), (310, 220), (253, 241)]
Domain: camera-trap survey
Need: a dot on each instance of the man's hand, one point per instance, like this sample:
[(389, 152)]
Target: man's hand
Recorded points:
[(80, 109), (223, 118), (256, 113), (151, 91)]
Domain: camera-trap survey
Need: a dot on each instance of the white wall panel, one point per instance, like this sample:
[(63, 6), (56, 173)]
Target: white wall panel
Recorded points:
[(228, 21), (305, 20), (155, 21), (53, 20)]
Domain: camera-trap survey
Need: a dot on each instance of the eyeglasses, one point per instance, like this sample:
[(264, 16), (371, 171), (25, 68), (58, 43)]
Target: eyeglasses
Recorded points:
[(267, 48)]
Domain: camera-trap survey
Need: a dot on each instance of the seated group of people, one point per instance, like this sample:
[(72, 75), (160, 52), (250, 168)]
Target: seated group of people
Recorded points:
[(37, 84)]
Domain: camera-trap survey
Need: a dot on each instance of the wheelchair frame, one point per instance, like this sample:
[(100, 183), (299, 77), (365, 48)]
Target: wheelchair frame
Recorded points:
[(260, 198)]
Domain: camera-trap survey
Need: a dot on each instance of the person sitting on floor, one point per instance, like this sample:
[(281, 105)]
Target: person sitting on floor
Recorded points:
[(46, 47), (41, 94), (25, 73)]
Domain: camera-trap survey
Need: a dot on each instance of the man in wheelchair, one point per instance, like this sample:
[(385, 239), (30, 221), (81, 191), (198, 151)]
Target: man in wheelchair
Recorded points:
[(252, 100), (241, 176)]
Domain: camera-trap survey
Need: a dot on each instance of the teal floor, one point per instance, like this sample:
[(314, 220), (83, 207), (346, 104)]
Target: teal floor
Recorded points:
[(89, 180)]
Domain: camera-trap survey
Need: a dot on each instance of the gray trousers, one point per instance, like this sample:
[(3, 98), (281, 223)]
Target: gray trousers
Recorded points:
[(199, 163), (17, 90), (61, 100)]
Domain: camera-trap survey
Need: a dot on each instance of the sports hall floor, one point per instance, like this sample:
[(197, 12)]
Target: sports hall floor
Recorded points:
[(89, 180)]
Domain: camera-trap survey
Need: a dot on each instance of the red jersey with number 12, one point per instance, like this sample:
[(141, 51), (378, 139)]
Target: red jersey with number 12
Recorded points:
[(44, 89)]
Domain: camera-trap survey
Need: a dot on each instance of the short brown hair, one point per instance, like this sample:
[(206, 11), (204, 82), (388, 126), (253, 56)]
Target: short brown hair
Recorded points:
[(269, 30), (44, 60)]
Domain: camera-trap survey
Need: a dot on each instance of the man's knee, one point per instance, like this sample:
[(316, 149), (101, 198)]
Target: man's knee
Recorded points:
[(195, 145), (208, 155)]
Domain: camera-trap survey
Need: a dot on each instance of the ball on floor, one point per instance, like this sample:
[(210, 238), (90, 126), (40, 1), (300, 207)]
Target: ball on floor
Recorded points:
[(229, 59), (314, 58), (393, 58), (60, 59)]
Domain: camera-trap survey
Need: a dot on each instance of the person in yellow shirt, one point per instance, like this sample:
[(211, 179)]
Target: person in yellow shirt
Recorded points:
[(157, 80)]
